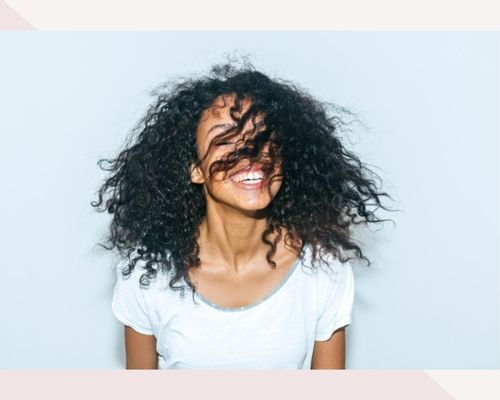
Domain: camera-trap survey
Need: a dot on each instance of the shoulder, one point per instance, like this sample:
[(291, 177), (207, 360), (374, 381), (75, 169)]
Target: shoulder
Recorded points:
[(333, 282), (327, 274)]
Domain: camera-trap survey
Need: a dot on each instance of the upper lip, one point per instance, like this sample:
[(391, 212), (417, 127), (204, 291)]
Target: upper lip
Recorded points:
[(253, 168)]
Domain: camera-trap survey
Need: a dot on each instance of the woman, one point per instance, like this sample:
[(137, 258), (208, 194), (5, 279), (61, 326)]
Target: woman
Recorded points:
[(237, 191)]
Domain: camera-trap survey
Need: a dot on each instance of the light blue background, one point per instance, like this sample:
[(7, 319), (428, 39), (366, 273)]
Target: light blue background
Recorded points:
[(429, 102)]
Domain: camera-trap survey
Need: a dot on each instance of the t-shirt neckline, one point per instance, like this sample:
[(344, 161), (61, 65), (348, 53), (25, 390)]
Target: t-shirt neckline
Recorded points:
[(262, 300)]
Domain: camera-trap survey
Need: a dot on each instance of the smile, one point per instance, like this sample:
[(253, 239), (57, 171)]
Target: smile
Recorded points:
[(248, 177), (250, 180)]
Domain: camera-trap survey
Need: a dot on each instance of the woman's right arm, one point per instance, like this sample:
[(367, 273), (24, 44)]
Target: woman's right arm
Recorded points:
[(140, 350)]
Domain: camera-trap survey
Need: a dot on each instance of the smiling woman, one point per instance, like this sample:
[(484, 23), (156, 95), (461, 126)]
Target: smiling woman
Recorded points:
[(237, 190)]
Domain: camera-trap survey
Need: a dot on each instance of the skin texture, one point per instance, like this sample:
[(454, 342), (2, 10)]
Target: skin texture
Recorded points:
[(140, 350), (330, 354), (232, 273)]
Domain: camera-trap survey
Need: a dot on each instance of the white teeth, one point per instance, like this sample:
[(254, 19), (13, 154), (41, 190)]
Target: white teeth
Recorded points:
[(254, 175)]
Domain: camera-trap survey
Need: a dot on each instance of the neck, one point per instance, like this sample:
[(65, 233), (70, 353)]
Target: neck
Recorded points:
[(232, 237)]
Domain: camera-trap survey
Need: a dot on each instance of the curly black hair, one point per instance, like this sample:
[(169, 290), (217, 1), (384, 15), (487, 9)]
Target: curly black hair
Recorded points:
[(157, 210)]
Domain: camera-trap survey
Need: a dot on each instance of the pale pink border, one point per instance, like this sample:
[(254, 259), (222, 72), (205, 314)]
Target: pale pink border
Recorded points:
[(262, 15), (76, 385), (311, 15)]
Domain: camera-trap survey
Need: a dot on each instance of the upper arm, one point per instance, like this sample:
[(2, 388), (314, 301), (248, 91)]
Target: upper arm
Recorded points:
[(133, 305), (330, 354), (140, 350)]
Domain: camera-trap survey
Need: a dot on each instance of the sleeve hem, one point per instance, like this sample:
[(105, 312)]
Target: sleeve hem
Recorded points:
[(124, 320), (327, 333)]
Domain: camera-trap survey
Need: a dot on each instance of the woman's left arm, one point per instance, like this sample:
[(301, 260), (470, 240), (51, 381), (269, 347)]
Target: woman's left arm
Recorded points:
[(330, 354)]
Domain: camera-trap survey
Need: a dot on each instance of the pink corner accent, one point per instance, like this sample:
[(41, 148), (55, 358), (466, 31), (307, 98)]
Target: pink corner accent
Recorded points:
[(10, 20)]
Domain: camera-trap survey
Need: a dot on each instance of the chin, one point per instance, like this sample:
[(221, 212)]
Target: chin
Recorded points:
[(253, 207), (254, 200)]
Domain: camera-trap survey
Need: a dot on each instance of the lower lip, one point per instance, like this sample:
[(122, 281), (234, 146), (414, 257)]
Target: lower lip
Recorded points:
[(258, 185)]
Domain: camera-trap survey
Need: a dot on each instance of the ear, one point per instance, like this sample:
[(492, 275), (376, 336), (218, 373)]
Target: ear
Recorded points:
[(196, 175)]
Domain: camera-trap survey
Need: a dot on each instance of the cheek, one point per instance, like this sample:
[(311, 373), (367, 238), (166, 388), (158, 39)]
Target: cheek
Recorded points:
[(215, 155), (275, 187)]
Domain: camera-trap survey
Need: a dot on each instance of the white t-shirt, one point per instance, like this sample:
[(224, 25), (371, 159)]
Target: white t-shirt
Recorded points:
[(277, 332)]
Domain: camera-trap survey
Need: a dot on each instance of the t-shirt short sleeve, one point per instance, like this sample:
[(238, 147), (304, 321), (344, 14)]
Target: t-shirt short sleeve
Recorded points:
[(336, 297), (130, 302)]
